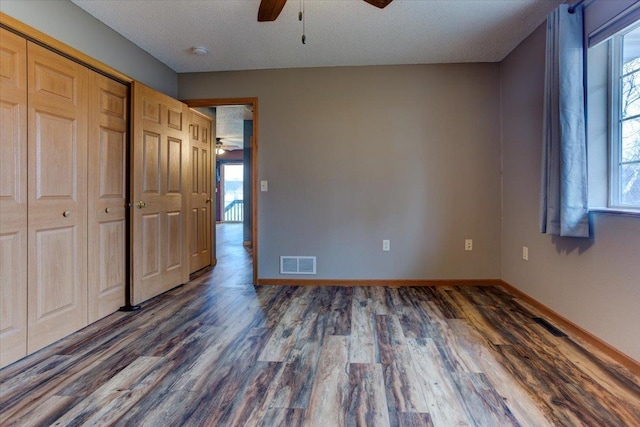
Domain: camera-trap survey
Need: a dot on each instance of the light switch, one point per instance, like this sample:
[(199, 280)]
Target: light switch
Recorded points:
[(264, 185)]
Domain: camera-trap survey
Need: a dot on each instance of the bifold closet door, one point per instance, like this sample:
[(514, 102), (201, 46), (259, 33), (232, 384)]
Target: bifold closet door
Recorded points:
[(160, 161), (201, 203), (107, 231), (57, 197), (13, 197)]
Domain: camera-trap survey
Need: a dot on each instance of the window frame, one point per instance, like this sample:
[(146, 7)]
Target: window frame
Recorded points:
[(616, 120)]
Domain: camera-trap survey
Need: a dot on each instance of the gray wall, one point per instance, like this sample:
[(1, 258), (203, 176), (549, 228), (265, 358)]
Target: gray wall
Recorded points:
[(71, 25), (593, 282), (357, 155)]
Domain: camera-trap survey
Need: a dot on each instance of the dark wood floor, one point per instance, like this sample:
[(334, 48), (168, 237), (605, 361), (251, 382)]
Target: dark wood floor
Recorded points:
[(221, 352)]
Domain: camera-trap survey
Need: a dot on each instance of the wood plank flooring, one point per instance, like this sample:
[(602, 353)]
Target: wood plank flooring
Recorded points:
[(221, 352)]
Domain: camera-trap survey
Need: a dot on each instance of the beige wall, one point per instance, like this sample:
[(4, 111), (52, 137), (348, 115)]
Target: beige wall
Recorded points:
[(356, 155), (593, 282)]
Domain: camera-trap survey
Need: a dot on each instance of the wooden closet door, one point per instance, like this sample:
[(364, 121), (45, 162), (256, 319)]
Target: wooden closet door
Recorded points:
[(160, 162), (13, 197), (57, 197), (201, 203), (107, 195)]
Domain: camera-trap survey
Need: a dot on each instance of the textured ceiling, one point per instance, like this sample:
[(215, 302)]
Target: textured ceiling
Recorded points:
[(230, 125), (338, 32)]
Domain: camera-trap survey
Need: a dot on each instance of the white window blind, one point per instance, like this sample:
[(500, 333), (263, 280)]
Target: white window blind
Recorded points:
[(605, 18)]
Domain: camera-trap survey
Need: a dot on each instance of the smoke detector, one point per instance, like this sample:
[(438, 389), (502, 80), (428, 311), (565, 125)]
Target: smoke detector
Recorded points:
[(199, 50)]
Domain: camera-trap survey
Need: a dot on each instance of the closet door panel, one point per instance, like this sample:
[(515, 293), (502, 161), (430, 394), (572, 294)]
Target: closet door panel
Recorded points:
[(56, 148), (13, 296), (13, 197), (160, 167), (107, 195), (57, 197), (54, 271)]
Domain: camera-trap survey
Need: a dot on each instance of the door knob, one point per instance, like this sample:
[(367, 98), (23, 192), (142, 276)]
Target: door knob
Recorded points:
[(208, 201), (66, 214), (141, 204), (107, 210)]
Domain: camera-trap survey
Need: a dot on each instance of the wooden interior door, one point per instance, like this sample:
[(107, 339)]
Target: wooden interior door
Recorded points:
[(57, 197), (107, 194), (201, 201), (13, 197), (160, 161)]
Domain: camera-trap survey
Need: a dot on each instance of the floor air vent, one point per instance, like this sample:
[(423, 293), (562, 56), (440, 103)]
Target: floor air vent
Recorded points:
[(549, 327), (297, 265)]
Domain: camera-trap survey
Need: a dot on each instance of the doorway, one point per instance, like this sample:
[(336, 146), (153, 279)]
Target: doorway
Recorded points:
[(249, 206), (232, 194)]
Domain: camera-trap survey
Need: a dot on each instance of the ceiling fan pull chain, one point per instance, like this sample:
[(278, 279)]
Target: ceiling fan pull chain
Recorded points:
[(302, 18)]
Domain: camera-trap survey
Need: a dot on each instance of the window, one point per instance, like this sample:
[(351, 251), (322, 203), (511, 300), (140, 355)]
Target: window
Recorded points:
[(624, 185)]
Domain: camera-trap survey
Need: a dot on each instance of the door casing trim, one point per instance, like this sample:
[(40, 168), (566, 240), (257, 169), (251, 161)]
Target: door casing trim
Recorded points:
[(253, 102)]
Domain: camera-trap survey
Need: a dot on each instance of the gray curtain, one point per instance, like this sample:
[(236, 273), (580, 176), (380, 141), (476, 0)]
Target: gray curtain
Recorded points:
[(564, 209)]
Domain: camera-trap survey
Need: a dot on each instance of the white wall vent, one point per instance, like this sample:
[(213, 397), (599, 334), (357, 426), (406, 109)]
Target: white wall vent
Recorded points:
[(297, 265)]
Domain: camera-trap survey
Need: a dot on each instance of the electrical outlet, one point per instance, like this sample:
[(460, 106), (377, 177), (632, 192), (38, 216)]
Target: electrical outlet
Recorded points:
[(386, 245), (525, 253), (264, 185), (468, 244)]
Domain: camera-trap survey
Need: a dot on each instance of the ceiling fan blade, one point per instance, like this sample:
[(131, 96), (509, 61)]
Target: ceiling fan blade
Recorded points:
[(378, 3), (270, 9)]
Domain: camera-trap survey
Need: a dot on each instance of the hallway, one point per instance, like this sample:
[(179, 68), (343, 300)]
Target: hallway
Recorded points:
[(234, 267)]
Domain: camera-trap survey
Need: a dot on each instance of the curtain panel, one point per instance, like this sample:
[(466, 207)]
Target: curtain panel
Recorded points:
[(564, 205)]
